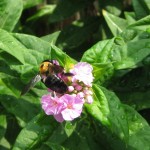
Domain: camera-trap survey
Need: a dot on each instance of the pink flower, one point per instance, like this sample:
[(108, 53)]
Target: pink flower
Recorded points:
[(66, 107), (59, 118), (73, 107), (51, 105), (55, 62), (89, 99), (82, 72)]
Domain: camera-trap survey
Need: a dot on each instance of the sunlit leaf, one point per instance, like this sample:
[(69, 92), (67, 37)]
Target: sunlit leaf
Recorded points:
[(8, 20), (108, 110), (28, 3), (3, 125), (36, 131), (116, 24)]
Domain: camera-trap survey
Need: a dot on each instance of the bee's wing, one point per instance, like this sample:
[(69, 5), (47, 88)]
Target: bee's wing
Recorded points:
[(31, 84), (58, 69)]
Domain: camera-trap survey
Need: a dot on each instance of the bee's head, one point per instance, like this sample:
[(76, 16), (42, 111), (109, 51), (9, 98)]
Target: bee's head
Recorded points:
[(45, 67)]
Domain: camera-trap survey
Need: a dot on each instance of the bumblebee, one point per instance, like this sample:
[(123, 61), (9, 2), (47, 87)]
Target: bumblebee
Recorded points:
[(51, 74)]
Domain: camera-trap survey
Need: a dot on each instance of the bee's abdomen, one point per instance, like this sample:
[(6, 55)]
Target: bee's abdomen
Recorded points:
[(55, 84)]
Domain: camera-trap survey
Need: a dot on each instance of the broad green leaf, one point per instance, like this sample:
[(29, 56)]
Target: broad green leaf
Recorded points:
[(84, 137), (139, 130), (99, 52), (8, 20), (77, 142), (56, 139), (47, 49), (29, 49), (29, 3), (35, 133), (108, 110), (45, 10), (116, 24), (122, 52), (99, 56), (24, 108), (130, 17), (142, 24), (51, 38), (4, 144), (141, 8), (3, 125), (21, 108), (128, 55)]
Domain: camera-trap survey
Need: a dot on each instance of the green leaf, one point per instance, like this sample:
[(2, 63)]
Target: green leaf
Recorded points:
[(77, 142), (120, 124), (29, 3), (142, 24), (139, 130), (10, 99), (56, 138), (4, 144), (47, 50), (129, 54), (51, 38), (35, 133), (30, 51), (3, 125), (130, 17), (98, 56), (108, 110), (44, 10), (141, 8), (8, 20), (116, 24), (21, 108), (99, 52)]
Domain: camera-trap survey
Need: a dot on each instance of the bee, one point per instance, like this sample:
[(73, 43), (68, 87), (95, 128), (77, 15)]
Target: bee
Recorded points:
[(51, 74)]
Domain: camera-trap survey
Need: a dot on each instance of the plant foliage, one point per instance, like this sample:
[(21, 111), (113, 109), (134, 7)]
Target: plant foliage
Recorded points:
[(113, 36)]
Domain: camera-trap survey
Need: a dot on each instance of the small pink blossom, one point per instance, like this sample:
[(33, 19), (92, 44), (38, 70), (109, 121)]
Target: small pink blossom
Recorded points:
[(55, 62), (78, 87), (51, 105), (70, 88), (83, 73), (59, 117), (73, 106), (89, 99)]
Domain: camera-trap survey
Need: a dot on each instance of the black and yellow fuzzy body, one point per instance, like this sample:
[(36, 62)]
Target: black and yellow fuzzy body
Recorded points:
[(50, 74)]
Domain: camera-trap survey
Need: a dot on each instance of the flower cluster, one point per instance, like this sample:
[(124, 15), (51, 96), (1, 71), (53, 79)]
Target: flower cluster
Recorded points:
[(69, 106)]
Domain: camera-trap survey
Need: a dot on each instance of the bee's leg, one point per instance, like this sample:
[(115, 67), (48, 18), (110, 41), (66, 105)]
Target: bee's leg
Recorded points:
[(53, 94)]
